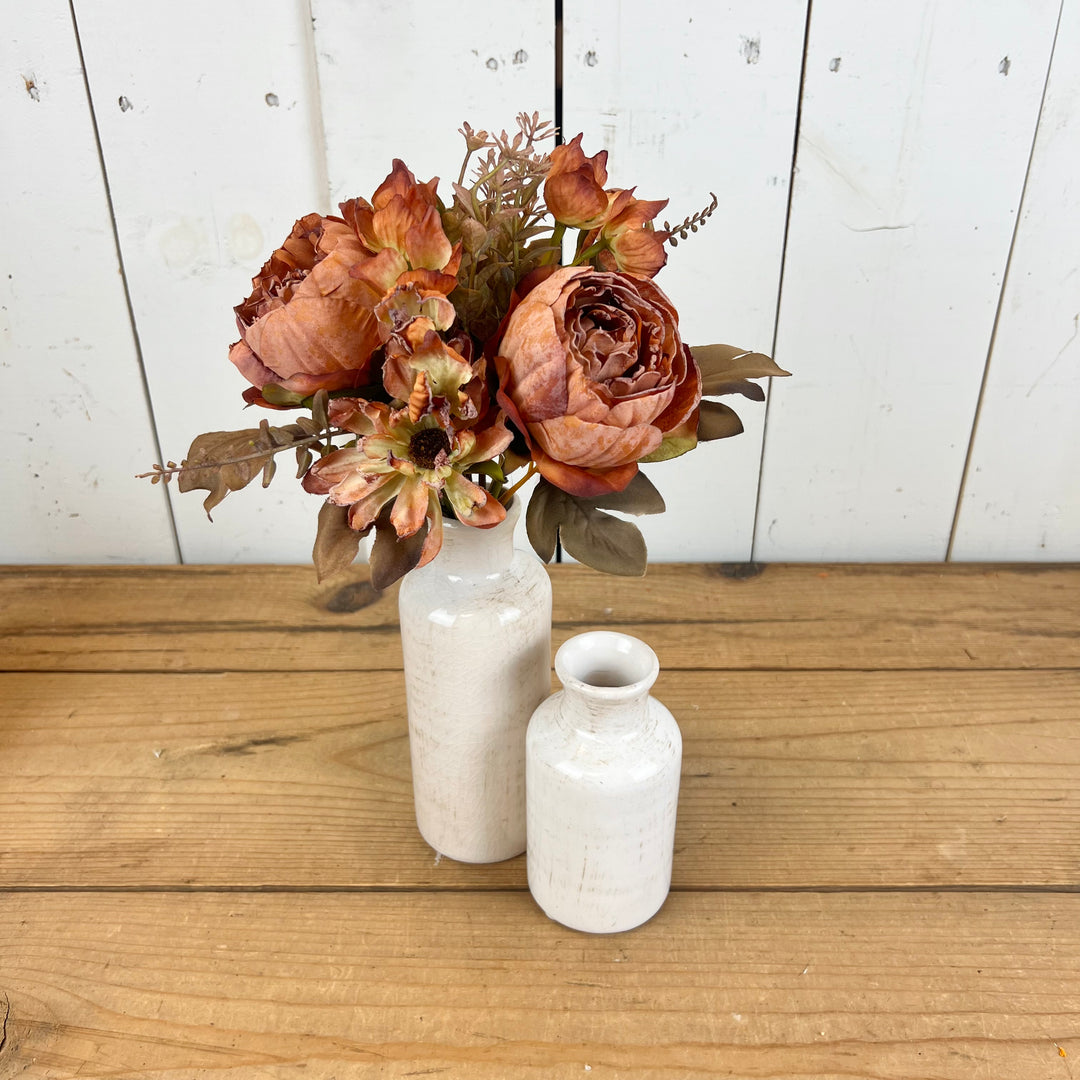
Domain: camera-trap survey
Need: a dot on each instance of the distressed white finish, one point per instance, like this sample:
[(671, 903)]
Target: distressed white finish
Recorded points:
[(207, 177), (399, 78), (476, 638), (76, 426), (603, 760), (913, 145), (1022, 494), (701, 99)]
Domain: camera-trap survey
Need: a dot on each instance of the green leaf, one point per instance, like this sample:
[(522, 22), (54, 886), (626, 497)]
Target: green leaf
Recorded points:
[(718, 421), (336, 545), (671, 447), (278, 395), (638, 497), (723, 364)]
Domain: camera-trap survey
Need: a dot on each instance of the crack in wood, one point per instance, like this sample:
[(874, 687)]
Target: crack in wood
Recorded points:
[(4, 1022)]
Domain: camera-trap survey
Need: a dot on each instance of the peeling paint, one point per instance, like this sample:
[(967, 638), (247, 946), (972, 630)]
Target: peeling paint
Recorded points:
[(32, 87), (750, 48)]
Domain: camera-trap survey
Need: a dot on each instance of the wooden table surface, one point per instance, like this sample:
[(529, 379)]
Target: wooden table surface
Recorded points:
[(209, 866)]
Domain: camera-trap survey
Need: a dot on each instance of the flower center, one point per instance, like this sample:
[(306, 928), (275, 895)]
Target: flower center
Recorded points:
[(429, 448)]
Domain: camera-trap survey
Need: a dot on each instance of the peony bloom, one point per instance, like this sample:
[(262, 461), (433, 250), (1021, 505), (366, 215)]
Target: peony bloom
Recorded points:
[(411, 463), (309, 324), (593, 372), (574, 188)]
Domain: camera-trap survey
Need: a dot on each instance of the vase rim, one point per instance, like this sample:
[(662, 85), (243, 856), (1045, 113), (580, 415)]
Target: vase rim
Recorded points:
[(607, 665)]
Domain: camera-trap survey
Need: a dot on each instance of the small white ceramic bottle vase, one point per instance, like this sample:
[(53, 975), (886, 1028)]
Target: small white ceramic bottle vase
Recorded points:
[(476, 638), (603, 760)]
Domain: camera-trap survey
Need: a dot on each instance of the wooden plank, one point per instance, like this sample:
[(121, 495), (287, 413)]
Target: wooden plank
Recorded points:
[(74, 406), (210, 138), (708, 104), (697, 616), (915, 133), (790, 780), (749, 985), (1021, 498)]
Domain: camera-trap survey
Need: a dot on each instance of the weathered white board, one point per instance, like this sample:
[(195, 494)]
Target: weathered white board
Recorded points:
[(1022, 490), (76, 422), (209, 126), (916, 127), (701, 100), (398, 79)]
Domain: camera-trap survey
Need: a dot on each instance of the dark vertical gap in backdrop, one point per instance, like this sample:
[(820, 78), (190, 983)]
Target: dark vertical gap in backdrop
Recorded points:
[(1001, 297), (783, 263), (166, 495)]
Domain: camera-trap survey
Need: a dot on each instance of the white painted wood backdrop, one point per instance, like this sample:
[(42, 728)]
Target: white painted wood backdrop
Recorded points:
[(897, 221)]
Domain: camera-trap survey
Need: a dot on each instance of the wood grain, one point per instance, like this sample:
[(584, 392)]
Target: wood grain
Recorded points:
[(790, 780), (716, 616), (483, 985)]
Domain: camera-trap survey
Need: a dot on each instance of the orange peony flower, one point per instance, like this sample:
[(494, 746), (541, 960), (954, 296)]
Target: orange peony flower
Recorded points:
[(309, 324), (593, 372)]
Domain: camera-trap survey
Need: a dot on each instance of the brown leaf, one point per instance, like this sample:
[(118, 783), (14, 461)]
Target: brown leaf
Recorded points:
[(591, 536), (392, 557), (739, 386), (542, 519), (722, 364), (224, 461), (638, 497), (717, 421), (336, 545)]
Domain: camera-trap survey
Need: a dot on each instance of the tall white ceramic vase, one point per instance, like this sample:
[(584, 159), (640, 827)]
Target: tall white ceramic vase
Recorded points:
[(476, 637), (603, 761)]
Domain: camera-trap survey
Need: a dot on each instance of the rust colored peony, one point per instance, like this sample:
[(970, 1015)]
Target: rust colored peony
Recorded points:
[(594, 374), (309, 323)]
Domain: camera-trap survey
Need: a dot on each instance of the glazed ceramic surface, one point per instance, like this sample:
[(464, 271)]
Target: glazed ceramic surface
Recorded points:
[(476, 637), (602, 782)]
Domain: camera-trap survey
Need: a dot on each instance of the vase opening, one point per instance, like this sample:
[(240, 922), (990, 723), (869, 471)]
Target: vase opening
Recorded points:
[(607, 663)]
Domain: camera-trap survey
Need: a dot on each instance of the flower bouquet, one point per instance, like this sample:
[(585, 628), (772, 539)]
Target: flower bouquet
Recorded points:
[(441, 355)]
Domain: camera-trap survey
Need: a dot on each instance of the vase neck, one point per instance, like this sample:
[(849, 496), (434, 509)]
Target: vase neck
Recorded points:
[(471, 552), (606, 678)]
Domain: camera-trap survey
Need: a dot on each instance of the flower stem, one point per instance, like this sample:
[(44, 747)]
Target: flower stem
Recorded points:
[(507, 495)]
